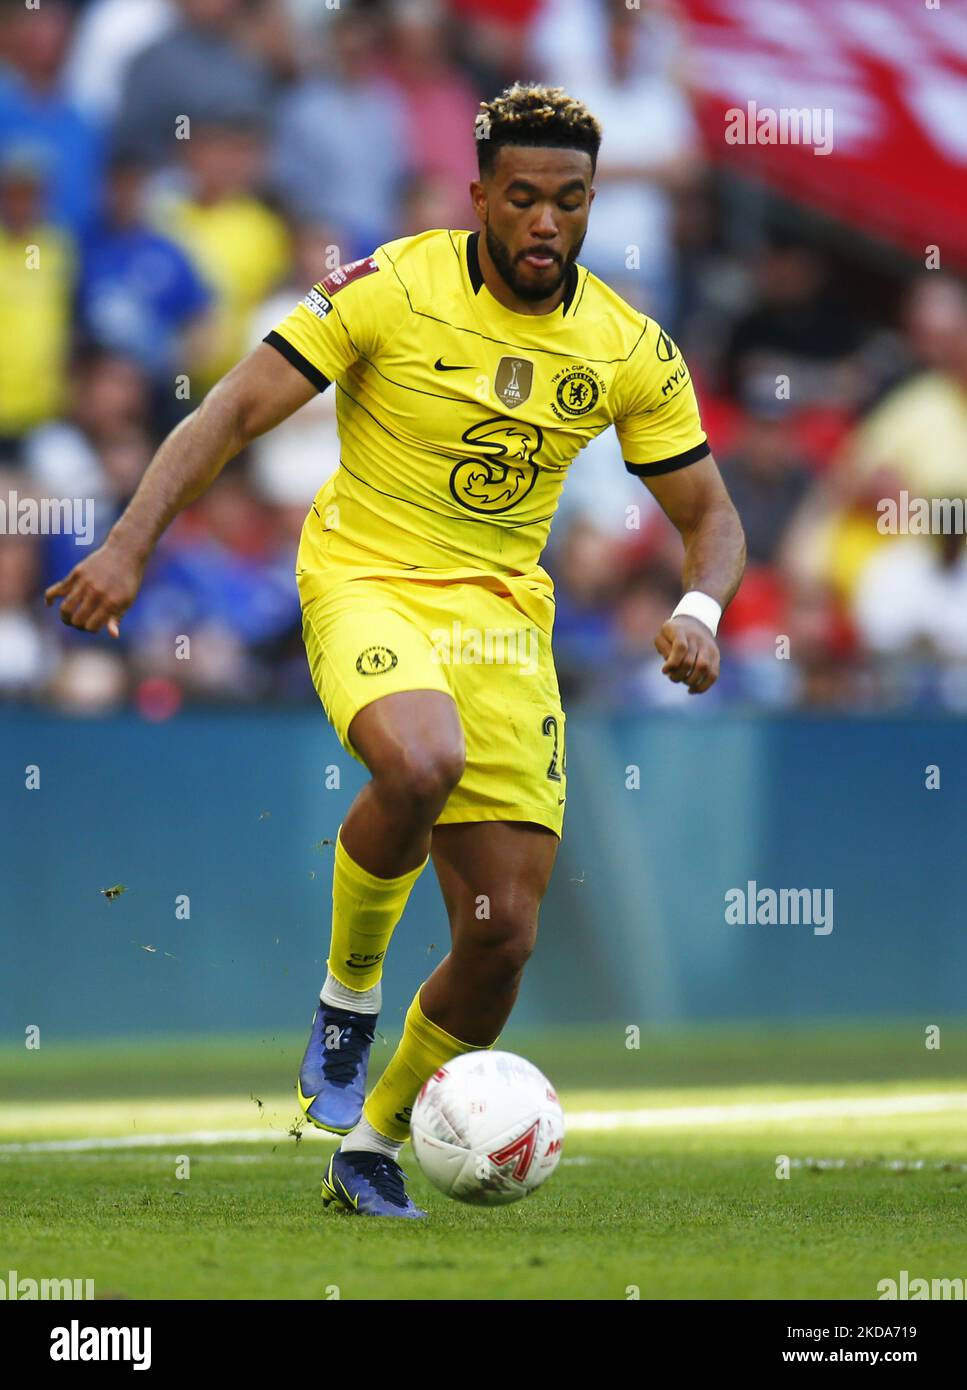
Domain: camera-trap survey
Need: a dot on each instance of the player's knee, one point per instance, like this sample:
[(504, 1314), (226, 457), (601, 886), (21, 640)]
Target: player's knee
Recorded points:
[(422, 777), (430, 774), (508, 958), (509, 942), (512, 957)]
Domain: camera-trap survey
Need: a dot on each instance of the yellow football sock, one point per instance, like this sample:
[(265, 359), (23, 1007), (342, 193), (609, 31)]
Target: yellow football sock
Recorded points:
[(365, 911), (423, 1048)]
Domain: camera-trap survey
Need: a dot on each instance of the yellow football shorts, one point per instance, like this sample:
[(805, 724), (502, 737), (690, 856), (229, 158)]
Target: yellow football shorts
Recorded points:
[(367, 638)]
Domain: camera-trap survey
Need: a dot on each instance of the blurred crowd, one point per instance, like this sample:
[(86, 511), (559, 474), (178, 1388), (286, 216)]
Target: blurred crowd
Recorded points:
[(175, 173)]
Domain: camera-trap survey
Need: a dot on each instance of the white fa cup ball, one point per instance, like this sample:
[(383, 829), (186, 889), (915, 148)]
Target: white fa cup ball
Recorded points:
[(487, 1128)]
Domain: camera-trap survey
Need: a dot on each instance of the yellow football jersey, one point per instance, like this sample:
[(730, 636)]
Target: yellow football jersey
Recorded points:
[(458, 418)]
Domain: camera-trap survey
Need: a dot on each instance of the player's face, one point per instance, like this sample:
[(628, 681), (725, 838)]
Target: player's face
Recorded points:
[(534, 209)]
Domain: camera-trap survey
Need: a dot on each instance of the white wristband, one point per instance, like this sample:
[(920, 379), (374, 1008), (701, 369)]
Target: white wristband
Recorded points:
[(695, 604)]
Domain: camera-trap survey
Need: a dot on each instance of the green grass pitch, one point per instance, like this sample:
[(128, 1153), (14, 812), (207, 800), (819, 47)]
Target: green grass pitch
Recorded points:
[(668, 1186)]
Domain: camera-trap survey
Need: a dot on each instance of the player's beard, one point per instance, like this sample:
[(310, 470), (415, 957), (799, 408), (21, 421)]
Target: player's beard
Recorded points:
[(507, 269)]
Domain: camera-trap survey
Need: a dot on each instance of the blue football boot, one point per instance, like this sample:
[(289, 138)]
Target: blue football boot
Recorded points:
[(368, 1184), (332, 1079)]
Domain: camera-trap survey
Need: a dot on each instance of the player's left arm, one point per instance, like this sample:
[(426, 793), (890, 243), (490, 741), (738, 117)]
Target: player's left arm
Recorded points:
[(658, 423), (696, 501)]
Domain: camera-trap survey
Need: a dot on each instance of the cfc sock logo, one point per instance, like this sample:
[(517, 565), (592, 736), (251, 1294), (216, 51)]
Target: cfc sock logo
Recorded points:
[(358, 961)]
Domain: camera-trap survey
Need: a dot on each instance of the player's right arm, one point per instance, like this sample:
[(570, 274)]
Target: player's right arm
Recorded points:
[(255, 396), (313, 346)]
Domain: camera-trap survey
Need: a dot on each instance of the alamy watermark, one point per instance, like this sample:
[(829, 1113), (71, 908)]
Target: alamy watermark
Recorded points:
[(907, 1289), (17, 1288), (920, 516), (77, 1343), (785, 125), (489, 646), (783, 907), (47, 516)]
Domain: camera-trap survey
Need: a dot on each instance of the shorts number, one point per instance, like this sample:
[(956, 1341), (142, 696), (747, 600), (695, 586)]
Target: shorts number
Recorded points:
[(550, 730)]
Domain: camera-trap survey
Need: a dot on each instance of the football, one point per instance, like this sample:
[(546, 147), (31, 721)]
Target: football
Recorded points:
[(487, 1128)]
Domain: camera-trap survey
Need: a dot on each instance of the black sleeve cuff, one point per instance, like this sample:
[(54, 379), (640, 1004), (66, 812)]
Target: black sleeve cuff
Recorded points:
[(295, 357), (653, 470)]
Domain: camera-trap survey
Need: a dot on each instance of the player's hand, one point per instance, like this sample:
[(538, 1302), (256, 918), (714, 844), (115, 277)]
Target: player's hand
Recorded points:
[(691, 654), (100, 590)]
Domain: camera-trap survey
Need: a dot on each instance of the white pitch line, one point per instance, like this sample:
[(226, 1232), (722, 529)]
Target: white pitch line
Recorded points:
[(847, 1107), (148, 1141), (586, 1121)]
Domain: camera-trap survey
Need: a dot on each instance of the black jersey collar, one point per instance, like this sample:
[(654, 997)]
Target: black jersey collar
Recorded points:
[(476, 274)]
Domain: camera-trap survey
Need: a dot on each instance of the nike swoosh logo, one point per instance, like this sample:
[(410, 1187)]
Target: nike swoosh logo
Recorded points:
[(330, 1181), (353, 1201), (439, 365), (304, 1101)]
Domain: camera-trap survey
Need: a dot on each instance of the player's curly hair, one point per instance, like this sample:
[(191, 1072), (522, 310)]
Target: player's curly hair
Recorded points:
[(530, 114)]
